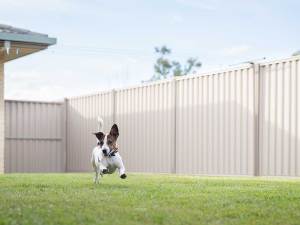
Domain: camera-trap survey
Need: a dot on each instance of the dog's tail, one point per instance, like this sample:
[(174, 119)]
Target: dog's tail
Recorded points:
[(100, 124)]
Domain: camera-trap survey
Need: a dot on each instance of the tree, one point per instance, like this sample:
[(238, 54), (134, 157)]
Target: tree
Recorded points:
[(163, 65), (296, 53), (164, 68)]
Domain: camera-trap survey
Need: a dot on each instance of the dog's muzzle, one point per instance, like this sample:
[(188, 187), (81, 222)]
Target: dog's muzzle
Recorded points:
[(105, 152), (109, 153)]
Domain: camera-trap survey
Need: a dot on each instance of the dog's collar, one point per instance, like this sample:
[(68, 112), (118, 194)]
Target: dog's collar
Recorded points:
[(112, 153)]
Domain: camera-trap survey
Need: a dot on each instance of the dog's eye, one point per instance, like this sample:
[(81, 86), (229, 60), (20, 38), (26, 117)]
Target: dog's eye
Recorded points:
[(109, 142), (101, 143)]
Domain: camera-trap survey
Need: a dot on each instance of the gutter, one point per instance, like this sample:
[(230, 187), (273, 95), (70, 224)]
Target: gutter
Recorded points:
[(36, 39)]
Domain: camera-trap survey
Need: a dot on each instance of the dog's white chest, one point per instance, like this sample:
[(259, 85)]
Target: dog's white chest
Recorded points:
[(111, 163)]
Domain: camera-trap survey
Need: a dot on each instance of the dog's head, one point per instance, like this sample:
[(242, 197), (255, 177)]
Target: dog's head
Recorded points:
[(107, 142)]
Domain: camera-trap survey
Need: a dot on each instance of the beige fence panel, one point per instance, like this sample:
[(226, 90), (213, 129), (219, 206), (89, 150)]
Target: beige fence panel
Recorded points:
[(215, 123), (2, 122), (145, 116), (82, 113), (34, 138), (280, 118)]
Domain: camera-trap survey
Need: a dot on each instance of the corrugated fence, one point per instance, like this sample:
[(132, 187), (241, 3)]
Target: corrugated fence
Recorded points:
[(145, 116), (279, 118), (215, 123), (34, 137), (241, 121), (82, 113)]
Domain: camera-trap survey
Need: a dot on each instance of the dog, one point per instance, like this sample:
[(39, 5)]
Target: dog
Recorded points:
[(105, 156)]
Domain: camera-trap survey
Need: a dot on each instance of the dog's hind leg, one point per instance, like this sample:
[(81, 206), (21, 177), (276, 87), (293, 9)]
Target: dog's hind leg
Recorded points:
[(96, 177)]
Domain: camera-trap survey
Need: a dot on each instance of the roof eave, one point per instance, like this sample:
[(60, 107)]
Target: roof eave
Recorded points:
[(35, 39)]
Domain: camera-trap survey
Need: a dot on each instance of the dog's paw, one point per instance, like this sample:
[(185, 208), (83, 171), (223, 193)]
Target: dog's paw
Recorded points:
[(123, 176)]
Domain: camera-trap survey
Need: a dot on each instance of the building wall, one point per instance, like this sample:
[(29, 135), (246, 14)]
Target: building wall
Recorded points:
[(1, 117)]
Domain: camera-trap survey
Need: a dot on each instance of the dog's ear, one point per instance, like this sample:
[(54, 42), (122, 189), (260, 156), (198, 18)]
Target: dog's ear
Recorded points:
[(114, 131), (100, 136)]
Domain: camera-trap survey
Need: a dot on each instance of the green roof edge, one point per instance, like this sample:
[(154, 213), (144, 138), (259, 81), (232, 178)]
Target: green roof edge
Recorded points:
[(30, 38)]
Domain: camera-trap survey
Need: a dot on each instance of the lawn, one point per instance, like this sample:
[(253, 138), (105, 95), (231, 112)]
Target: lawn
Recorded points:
[(147, 199)]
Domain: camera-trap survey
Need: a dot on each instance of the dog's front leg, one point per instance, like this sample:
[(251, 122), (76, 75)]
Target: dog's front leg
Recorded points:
[(103, 169), (117, 159)]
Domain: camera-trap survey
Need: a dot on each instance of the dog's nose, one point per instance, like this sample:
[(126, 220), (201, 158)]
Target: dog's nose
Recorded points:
[(105, 152)]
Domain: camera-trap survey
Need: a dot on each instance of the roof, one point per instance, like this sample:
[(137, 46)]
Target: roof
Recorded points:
[(9, 33)]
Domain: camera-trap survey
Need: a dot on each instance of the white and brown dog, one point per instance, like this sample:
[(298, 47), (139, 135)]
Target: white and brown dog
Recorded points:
[(105, 157)]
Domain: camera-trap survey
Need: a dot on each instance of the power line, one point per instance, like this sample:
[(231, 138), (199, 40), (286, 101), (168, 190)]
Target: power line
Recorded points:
[(117, 51), (80, 50)]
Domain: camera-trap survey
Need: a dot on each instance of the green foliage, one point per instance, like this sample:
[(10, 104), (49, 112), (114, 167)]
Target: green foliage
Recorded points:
[(296, 53), (147, 199), (164, 67)]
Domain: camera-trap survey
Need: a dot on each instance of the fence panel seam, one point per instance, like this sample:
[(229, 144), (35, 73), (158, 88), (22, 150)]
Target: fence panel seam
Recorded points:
[(257, 87)]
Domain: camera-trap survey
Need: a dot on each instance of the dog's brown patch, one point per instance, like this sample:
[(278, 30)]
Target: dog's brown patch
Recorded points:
[(112, 137), (100, 136), (114, 131), (111, 141)]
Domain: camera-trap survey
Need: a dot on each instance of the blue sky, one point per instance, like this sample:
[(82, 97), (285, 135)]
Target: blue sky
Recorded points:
[(109, 44)]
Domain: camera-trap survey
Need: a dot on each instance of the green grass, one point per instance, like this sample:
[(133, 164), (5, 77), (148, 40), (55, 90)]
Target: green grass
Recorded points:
[(147, 199)]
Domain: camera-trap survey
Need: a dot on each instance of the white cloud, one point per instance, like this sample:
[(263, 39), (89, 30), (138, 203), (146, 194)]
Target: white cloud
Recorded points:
[(31, 85), (132, 60), (207, 5), (41, 5), (175, 19), (64, 79), (235, 50)]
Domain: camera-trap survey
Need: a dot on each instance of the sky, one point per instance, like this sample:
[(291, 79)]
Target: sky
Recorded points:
[(110, 44)]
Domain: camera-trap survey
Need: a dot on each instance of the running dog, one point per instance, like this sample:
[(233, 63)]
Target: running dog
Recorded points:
[(105, 156)]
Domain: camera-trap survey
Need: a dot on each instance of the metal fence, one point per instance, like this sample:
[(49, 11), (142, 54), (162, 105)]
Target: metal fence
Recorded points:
[(279, 131), (82, 113), (240, 121), (215, 123), (201, 125), (146, 119), (34, 137)]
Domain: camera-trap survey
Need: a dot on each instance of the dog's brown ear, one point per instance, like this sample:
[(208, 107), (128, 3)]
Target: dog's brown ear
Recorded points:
[(100, 136), (114, 131)]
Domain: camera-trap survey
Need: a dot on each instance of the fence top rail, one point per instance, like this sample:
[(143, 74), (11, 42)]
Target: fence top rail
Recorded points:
[(216, 72), (275, 61), (92, 94), (34, 102)]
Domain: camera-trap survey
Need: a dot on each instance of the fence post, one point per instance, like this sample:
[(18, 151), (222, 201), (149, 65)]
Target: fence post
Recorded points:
[(65, 134), (257, 87), (113, 93), (175, 98)]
